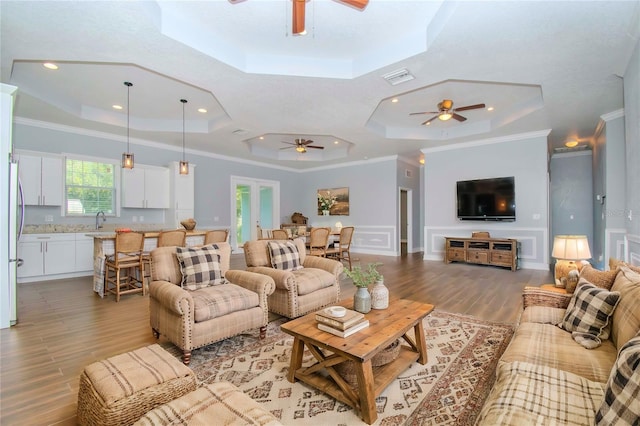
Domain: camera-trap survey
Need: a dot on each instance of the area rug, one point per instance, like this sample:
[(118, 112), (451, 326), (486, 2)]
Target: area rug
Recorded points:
[(449, 390)]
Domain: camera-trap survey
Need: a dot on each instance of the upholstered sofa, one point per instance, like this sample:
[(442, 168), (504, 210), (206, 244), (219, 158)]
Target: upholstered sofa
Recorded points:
[(548, 376), (299, 290), (192, 315)]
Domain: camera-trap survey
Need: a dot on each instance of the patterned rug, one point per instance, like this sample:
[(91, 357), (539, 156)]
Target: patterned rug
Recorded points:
[(449, 390)]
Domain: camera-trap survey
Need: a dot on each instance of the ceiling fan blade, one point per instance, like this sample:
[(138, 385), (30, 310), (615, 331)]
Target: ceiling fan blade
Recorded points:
[(306, 141), (458, 117), (287, 147), (467, 108), (315, 146), (429, 120), (360, 4), (289, 143), (297, 24), (424, 112)]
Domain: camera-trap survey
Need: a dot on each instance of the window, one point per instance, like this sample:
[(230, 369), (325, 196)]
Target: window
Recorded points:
[(90, 187)]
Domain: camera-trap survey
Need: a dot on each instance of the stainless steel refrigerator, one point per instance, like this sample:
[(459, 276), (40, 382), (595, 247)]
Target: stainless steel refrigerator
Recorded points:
[(16, 223)]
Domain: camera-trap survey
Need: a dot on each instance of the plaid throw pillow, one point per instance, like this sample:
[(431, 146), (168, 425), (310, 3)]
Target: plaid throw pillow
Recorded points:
[(588, 314), (200, 267), (621, 404), (284, 255)]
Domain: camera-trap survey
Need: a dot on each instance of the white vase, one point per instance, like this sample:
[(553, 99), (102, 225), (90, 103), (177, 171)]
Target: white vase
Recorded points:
[(379, 296), (325, 212)]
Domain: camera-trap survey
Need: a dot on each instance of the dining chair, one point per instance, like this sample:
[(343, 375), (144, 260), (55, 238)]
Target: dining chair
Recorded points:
[(279, 234), (216, 236), (318, 241), (124, 269), (177, 237), (343, 249)]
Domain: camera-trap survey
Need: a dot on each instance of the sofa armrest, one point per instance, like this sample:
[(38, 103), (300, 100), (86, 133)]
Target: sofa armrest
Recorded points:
[(171, 296), (282, 279), (332, 266), (536, 296), (258, 283)]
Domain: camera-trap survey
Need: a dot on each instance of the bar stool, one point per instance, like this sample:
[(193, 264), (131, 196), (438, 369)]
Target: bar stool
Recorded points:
[(124, 270), (177, 237)]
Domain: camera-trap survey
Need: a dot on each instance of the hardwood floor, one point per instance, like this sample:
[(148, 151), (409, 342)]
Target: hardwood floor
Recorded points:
[(64, 326)]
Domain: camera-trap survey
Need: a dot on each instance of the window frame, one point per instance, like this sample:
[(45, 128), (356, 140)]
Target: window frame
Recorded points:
[(116, 187)]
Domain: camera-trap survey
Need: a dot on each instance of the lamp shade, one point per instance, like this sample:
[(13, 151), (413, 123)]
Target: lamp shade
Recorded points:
[(571, 247)]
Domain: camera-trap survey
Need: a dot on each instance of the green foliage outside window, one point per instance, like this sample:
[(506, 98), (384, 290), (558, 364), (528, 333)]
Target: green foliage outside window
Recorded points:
[(90, 187)]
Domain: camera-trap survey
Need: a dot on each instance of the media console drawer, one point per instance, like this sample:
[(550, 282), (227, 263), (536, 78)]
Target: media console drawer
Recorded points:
[(484, 251)]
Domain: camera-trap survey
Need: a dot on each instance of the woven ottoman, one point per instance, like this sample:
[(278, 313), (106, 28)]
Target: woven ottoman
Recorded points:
[(219, 403), (120, 389)]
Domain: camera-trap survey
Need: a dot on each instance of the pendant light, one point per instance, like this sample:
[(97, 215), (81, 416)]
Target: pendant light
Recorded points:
[(127, 157), (184, 165)]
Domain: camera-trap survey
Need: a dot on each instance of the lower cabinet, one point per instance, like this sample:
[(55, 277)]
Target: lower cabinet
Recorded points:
[(46, 254), (84, 253)]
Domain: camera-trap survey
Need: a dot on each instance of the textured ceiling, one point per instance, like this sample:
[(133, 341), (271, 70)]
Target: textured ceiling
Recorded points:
[(541, 65)]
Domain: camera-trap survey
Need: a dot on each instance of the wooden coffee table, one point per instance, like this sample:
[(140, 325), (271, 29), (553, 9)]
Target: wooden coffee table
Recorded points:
[(385, 326)]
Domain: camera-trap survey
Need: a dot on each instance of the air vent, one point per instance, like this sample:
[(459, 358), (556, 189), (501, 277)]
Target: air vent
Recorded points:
[(398, 76), (240, 132)]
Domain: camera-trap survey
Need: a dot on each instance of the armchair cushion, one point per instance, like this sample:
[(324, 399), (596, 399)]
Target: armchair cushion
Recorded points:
[(311, 279), (284, 255), (588, 314), (200, 267), (216, 301)]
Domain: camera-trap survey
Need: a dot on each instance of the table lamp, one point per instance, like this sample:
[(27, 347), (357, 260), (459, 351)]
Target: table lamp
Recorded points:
[(567, 249)]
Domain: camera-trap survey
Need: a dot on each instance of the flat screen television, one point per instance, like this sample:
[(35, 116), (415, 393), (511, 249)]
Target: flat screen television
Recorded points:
[(487, 199)]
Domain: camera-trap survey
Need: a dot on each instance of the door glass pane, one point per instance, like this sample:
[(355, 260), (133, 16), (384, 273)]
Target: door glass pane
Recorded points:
[(243, 213), (266, 207)]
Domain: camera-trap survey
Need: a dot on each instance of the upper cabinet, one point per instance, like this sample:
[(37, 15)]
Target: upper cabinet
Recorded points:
[(145, 187), (41, 179)]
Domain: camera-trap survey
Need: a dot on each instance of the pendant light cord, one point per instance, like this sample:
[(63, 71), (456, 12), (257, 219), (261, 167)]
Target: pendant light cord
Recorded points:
[(128, 84), (184, 101)]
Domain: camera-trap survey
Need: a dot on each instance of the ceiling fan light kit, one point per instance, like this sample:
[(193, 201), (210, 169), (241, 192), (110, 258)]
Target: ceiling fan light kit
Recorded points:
[(447, 112)]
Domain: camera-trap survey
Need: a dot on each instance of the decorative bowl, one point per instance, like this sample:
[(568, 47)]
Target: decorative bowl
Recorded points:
[(336, 311), (188, 224)]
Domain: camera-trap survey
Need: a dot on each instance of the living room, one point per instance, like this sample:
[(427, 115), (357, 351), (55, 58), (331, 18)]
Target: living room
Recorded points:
[(550, 186)]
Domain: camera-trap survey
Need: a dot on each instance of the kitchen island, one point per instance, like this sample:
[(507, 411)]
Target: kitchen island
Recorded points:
[(104, 245)]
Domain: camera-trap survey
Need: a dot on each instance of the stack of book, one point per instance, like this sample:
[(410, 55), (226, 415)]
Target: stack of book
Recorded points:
[(343, 326)]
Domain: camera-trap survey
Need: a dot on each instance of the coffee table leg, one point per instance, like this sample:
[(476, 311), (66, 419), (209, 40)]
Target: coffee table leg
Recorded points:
[(364, 373), (421, 342), (296, 359)]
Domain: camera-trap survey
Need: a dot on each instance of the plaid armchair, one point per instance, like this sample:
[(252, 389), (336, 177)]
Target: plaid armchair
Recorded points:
[(194, 318)]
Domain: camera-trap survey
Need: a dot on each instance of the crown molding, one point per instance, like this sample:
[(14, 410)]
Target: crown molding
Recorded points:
[(490, 141)]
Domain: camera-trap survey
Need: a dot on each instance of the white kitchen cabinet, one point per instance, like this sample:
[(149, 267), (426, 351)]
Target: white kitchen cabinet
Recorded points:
[(46, 254), (145, 187), (84, 253), (41, 179), (182, 195)]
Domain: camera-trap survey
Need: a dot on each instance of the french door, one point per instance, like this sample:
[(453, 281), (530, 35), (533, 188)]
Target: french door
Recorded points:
[(255, 203)]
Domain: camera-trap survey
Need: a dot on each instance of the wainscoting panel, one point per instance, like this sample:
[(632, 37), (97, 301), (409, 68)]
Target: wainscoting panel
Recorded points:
[(534, 242), (380, 240), (614, 245), (632, 254)]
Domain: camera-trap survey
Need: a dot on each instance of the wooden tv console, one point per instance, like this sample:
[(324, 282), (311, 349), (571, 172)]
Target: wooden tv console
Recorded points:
[(484, 251)]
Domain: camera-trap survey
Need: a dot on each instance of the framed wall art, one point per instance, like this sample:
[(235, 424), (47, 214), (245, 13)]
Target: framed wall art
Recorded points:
[(333, 201)]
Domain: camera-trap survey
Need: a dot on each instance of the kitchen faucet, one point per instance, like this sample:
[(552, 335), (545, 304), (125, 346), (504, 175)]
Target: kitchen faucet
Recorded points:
[(104, 219)]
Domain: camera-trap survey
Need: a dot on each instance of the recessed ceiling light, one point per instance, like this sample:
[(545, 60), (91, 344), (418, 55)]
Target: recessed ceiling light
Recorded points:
[(50, 66), (202, 110), (261, 138), (490, 109), (394, 100), (571, 144), (336, 142), (428, 124), (116, 106)]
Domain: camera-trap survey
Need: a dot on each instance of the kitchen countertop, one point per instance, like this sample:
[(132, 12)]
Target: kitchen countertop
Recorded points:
[(147, 234)]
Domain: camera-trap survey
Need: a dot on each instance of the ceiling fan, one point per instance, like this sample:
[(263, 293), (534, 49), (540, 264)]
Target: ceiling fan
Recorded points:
[(446, 111), (297, 26), (301, 145)]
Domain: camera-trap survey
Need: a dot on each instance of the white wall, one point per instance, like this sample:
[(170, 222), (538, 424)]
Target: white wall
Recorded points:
[(521, 156)]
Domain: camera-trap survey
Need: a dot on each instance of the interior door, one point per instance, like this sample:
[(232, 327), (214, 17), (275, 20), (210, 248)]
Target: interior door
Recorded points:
[(255, 203)]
